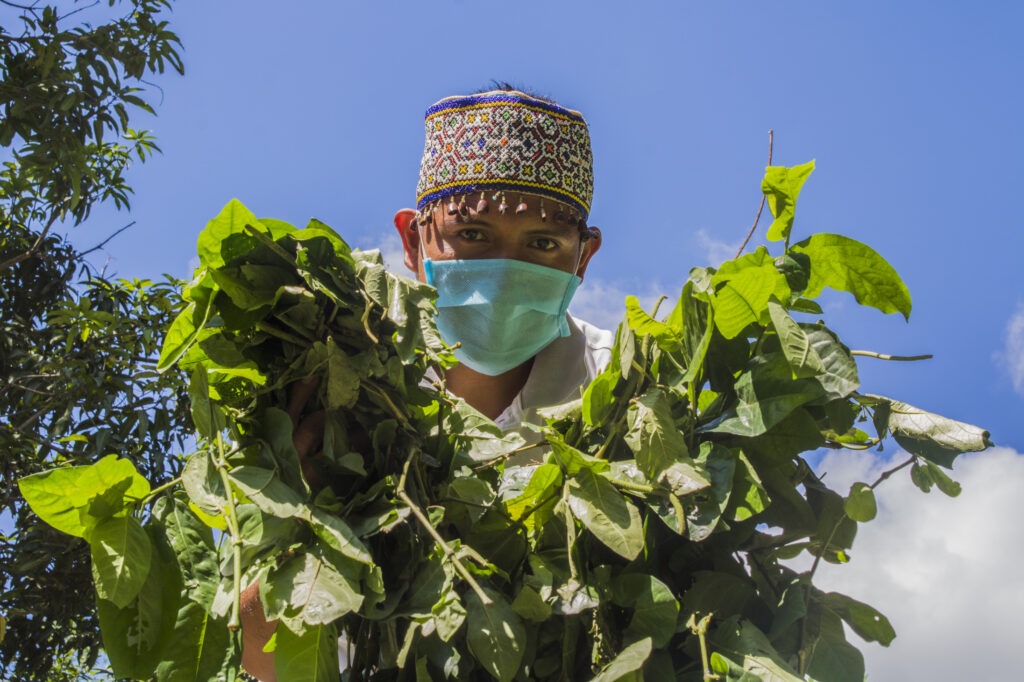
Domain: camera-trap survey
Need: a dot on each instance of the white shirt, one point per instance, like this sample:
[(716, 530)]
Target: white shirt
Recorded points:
[(560, 370)]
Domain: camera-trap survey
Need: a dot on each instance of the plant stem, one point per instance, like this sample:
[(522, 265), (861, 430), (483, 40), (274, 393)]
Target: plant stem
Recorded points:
[(821, 553), (156, 491), (700, 629), (394, 408), (630, 485), (499, 458), (611, 434), (899, 358), (283, 335), (272, 245), (654, 313), (761, 207), (570, 527), (678, 507), (425, 522), (231, 520)]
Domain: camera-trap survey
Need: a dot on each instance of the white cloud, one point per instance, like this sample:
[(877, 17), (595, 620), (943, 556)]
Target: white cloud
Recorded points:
[(946, 571), (391, 251), (717, 252), (603, 303), (1013, 353)]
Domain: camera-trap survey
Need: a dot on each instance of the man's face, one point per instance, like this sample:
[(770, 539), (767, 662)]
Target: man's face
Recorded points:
[(522, 236)]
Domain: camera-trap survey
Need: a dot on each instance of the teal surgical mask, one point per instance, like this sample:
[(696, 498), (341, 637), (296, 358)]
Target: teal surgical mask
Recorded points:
[(501, 311)]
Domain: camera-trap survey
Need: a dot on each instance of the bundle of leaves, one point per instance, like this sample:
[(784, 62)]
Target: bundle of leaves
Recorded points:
[(640, 533)]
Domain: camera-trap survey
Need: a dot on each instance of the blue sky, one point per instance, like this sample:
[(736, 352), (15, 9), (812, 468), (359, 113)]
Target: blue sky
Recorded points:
[(912, 110)]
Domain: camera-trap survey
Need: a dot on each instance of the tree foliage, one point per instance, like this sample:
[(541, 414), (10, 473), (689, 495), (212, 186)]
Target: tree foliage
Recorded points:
[(77, 349), (641, 533)]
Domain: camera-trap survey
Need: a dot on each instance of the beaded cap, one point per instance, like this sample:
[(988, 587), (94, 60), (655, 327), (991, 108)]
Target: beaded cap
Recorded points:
[(505, 141)]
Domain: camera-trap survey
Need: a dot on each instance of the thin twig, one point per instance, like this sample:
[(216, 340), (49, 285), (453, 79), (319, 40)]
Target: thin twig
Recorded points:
[(231, 520), (10, 262), (761, 207), (425, 522), (499, 458), (824, 548), (104, 242), (883, 356)]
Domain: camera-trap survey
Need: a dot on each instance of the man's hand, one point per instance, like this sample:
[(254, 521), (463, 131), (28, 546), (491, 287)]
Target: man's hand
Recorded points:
[(307, 435)]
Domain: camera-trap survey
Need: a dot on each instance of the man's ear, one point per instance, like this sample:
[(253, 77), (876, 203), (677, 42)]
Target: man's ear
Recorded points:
[(405, 223), (590, 247)]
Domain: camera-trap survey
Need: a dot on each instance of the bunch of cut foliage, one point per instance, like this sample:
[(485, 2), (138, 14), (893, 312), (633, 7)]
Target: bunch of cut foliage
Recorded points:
[(648, 541)]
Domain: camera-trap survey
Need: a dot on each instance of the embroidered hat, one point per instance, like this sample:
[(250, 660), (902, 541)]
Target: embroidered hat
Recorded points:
[(505, 141)]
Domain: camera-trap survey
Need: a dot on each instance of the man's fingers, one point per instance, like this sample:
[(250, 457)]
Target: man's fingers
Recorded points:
[(301, 391), (309, 434)]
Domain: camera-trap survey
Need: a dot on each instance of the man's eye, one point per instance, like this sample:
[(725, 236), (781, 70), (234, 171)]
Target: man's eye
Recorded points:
[(545, 244), (471, 235)]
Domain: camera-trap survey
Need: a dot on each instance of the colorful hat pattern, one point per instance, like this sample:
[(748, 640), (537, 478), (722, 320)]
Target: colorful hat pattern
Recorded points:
[(505, 141)]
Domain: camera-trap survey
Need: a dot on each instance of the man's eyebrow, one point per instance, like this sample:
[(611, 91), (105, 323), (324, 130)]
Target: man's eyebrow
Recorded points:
[(555, 230)]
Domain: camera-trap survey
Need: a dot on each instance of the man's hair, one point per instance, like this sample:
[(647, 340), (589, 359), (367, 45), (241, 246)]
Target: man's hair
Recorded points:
[(508, 87)]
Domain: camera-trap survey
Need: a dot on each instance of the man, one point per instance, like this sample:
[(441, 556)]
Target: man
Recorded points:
[(505, 186)]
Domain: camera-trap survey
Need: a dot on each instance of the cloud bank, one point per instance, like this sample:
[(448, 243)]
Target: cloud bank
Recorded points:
[(946, 571), (1013, 352)]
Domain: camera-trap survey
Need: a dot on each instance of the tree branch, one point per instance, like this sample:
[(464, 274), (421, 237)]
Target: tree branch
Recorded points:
[(104, 242), (883, 356), (11, 262), (750, 234)]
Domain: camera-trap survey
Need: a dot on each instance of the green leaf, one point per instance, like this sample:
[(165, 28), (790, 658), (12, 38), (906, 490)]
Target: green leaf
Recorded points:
[(655, 609), (225, 237), (800, 355), (308, 587), (545, 480), (342, 378), (121, 555), (747, 650), (192, 543), (654, 438), (203, 484), (598, 396), (268, 492), (200, 649), (569, 458), (603, 511), (742, 289), (206, 415), (136, 635), (936, 438), (713, 592), (495, 634), (766, 395), (308, 657), (865, 620), (937, 476), (839, 376), (782, 187), (449, 615), (860, 503), (531, 606), (629, 660), (337, 535), (845, 264), (720, 463), (62, 497), (832, 657), (643, 323)]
